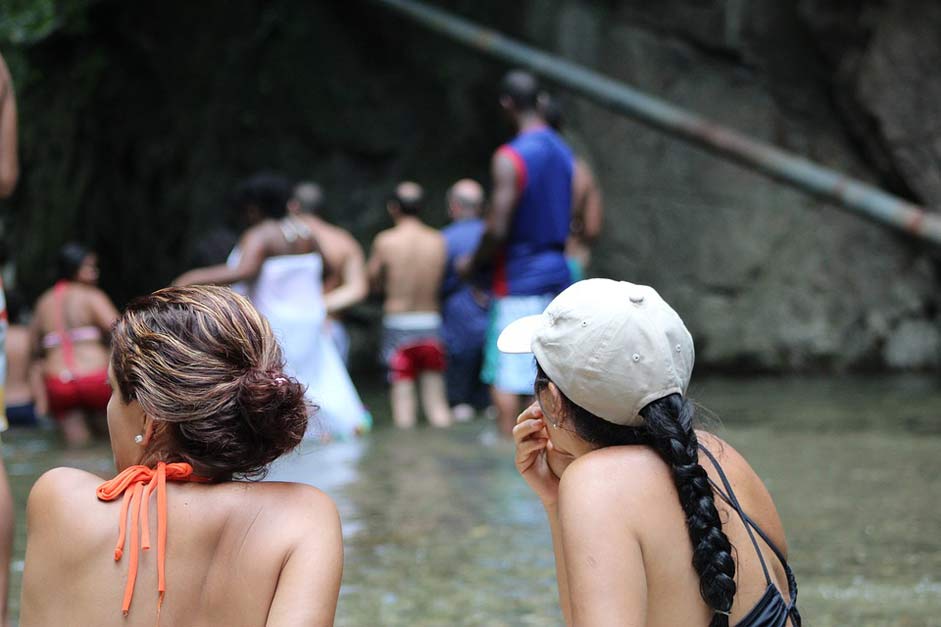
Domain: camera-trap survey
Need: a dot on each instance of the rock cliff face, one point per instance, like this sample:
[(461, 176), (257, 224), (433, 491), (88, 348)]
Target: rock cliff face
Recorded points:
[(766, 277), (137, 119)]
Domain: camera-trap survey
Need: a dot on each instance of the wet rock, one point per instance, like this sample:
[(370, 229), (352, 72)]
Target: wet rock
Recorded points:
[(163, 115), (766, 278), (914, 344)]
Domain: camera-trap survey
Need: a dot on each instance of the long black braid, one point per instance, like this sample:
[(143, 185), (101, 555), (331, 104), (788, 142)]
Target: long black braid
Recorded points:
[(668, 429)]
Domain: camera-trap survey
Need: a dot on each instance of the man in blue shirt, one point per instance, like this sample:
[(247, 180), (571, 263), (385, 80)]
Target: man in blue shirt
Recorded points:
[(465, 306), (527, 225)]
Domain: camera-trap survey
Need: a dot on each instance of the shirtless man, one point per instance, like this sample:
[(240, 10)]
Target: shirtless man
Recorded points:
[(346, 283), (407, 265), (587, 202)]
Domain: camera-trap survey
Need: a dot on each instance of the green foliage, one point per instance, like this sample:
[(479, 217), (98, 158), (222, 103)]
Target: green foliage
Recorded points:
[(137, 119), (24, 22)]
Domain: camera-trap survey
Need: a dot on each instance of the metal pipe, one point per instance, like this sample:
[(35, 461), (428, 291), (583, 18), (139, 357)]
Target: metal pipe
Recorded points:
[(857, 196)]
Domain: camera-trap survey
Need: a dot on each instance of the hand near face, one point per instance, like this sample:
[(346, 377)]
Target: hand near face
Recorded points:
[(532, 451)]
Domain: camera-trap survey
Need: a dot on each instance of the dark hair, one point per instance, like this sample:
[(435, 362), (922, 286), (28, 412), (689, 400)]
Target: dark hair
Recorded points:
[(204, 364), (668, 429), (15, 306), (522, 89), (552, 112), (70, 260), (213, 247), (408, 197), (267, 191)]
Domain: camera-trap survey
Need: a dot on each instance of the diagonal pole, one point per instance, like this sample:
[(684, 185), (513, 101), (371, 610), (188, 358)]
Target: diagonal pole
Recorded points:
[(854, 195)]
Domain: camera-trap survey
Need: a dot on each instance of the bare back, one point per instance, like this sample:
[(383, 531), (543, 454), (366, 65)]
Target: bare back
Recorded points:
[(632, 488), (278, 237), (237, 554), (80, 306), (408, 260), (337, 247)]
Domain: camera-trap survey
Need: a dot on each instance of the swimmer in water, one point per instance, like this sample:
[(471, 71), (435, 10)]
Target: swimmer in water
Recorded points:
[(527, 224), (646, 526), (407, 265), (346, 283), (200, 403), (278, 265), (465, 305), (70, 328)]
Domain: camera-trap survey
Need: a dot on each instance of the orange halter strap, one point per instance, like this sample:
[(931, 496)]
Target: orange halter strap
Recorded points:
[(136, 483)]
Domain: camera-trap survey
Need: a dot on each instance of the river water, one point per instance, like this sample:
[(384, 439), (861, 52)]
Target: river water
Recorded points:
[(440, 530)]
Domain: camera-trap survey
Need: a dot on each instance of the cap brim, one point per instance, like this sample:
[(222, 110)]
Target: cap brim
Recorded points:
[(517, 337)]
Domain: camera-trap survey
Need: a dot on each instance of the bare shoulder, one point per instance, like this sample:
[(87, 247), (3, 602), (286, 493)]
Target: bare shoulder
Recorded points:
[(95, 294), (615, 460), (733, 463), (747, 484), (342, 236), (263, 236), (607, 494), (297, 495), (300, 507), (620, 475), (345, 244), (43, 300), (383, 238), (64, 479), (434, 236), (58, 491)]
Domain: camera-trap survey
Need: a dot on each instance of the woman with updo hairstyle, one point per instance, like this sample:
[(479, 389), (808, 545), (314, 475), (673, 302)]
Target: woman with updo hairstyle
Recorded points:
[(653, 521), (200, 405)]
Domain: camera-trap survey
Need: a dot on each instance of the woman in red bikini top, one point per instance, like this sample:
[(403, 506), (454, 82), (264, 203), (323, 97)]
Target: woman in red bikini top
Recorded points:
[(71, 323), (200, 404)]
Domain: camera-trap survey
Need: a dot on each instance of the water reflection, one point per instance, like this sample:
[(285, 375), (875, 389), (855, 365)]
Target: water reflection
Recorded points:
[(440, 530)]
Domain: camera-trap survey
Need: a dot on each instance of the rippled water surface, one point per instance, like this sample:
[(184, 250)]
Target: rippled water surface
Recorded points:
[(440, 530)]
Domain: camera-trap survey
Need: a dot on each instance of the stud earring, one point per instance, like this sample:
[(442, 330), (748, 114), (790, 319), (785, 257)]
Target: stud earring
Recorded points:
[(138, 439)]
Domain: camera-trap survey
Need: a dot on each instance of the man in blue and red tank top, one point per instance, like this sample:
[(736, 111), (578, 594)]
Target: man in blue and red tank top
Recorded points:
[(524, 241)]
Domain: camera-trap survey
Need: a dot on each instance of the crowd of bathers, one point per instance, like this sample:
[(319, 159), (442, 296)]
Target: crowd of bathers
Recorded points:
[(204, 387), (440, 317)]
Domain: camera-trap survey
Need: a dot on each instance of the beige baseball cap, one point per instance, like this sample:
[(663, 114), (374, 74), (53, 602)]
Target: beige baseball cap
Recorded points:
[(612, 347)]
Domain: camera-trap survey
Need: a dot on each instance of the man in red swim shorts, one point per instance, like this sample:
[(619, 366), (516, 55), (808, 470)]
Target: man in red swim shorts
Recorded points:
[(407, 265)]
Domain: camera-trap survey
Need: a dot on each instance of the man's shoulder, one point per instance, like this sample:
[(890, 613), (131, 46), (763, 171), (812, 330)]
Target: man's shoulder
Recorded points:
[(463, 229), (385, 236), (322, 228), (433, 235), (335, 239)]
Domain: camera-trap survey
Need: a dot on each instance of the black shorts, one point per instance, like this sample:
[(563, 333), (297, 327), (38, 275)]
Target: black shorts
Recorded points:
[(463, 380)]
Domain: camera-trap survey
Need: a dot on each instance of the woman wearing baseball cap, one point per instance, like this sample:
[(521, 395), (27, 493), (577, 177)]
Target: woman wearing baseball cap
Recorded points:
[(653, 522)]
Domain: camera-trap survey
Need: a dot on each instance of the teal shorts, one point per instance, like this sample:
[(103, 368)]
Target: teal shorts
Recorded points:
[(514, 374), (575, 269)]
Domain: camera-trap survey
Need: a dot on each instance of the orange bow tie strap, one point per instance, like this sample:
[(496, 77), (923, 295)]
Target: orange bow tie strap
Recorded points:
[(136, 483)]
